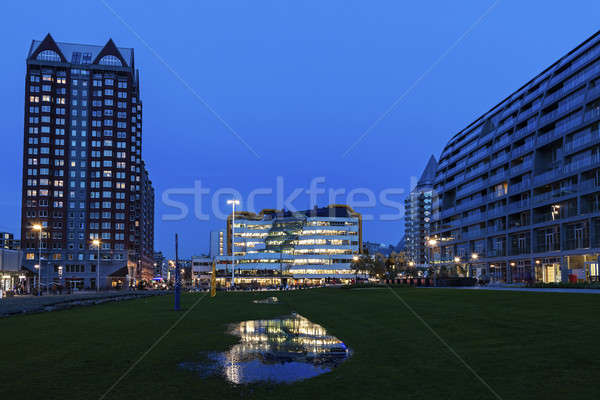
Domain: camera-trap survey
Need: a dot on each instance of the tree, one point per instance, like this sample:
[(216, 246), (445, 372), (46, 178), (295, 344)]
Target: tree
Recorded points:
[(378, 268), (390, 266), (361, 264)]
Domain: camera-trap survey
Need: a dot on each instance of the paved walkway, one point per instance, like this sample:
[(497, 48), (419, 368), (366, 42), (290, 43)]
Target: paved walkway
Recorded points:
[(521, 289), (28, 304)]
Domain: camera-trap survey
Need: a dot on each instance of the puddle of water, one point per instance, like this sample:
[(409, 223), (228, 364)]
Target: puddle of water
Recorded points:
[(280, 350), (268, 300)]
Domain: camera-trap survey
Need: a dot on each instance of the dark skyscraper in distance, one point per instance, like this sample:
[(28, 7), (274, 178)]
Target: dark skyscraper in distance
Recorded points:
[(418, 208), (84, 181)]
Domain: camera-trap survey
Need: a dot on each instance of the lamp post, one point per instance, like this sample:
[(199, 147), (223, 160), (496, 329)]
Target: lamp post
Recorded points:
[(457, 261), (38, 227), (432, 244), (96, 243), (60, 276), (474, 258), (355, 261), (233, 203)]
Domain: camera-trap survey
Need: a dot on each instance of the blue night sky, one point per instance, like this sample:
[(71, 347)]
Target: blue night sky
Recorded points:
[(299, 82)]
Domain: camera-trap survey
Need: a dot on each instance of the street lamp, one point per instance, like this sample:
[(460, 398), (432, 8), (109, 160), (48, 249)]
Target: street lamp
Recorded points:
[(457, 262), (233, 203), (355, 261), (60, 276), (474, 257), (96, 243), (38, 227)]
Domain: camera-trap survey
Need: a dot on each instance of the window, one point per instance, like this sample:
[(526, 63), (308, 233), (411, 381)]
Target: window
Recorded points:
[(110, 60), (48, 55)]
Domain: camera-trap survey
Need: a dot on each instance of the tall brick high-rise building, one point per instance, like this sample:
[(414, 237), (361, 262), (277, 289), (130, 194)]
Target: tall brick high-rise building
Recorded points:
[(84, 180)]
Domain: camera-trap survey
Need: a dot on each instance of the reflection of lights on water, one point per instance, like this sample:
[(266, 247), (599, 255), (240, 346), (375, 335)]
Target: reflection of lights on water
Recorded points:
[(273, 343)]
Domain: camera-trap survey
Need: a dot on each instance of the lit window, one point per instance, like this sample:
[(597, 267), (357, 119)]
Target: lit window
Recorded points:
[(110, 60), (48, 55)]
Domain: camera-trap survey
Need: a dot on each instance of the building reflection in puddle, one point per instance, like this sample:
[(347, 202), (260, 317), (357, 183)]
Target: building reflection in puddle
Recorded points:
[(283, 349)]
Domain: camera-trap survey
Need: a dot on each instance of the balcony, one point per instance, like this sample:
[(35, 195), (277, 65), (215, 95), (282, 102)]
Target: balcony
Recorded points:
[(495, 229), (518, 206), (502, 143), (592, 114), (582, 142), (478, 170), (528, 113), (571, 104), (588, 184), (468, 204), (523, 131), (550, 98), (580, 164), (533, 95), (575, 244), (518, 169), (496, 253), (513, 107), (593, 93), (479, 154), (477, 217), (499, 160), (515, 251), (496, 195), (549, 175), (502, 174), (446, 212), (471, 188), (548, 136), (564, 212), (488, 136), (519, 187), (544, 119), (496, 211), (473, 234), (519, 151)]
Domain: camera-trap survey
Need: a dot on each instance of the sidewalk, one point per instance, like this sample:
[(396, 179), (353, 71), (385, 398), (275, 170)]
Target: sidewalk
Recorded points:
[(521, 289), (29, 304)]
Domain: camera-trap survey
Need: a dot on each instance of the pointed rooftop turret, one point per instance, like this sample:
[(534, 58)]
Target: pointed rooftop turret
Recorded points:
[(428, 175)]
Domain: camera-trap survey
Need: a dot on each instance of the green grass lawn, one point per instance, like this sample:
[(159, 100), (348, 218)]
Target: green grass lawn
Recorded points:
[(524, 345)]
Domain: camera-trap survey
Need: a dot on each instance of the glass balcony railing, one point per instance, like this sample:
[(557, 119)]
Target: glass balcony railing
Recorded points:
[(579, 164), (519, 187), (552, 115), (496, 211), (501, 143), (592, 114), (519, 205), (548, 175), (581, 142), (593, 92), (548, 136), (496, 253), (473, 218), (498, 175), (519, 151), (470, 188), (499, 160), (524, 166), (495, 229)]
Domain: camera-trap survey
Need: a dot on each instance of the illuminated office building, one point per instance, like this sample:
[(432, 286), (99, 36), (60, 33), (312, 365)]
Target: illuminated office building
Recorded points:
[(312, 246)]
